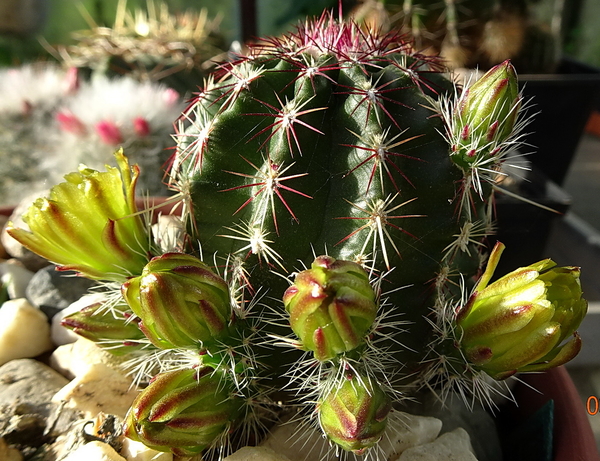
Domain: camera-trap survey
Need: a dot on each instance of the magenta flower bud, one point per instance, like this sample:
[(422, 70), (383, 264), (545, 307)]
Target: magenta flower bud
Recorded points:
[(171, 96), (521, 321), (332, 306), (485, 115), (180, 301), (141, 127), (183, 411), (72, 83), (70, 123), (90, 224), (109, 133), (354, 415), (113, 330)]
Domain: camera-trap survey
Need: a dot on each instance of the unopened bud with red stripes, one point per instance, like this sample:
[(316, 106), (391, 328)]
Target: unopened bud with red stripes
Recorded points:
[(181, 302), (183, 411), (485, 115), (115, 329), (332, 306), (354, 415)]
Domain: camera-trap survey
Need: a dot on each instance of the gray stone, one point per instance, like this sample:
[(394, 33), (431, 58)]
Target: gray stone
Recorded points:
[(28, 418), (53, 290), (27, 387), (23, 429), (451, 446)]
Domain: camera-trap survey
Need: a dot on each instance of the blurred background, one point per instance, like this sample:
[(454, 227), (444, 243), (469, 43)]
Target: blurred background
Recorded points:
[(529, 29)]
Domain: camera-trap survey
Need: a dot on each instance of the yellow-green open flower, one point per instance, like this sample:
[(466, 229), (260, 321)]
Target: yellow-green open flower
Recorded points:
[(521, 321), (90, 224)]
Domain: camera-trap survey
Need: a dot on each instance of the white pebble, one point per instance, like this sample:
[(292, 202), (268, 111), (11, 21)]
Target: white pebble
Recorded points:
[(256, 454), (451, 446), (405, 431), (302, 443), (137, 451), (24, 331), (98, 388), (74, 359), (15, 277), (94, 451), (298, 442)]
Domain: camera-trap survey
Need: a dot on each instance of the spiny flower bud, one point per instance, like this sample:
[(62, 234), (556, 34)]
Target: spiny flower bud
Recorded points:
[(180, 301), (331, 307), (112, 329), (485, 115), (183, 411), (519, 322), (90, 224), (354, 415)]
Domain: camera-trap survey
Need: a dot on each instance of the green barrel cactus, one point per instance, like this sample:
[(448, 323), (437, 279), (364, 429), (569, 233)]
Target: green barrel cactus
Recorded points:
[(331, 141), (337, 190)]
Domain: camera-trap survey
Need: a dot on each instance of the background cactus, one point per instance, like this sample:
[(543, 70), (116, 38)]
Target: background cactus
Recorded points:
[(475, 33), (149, 45), (335, 142)]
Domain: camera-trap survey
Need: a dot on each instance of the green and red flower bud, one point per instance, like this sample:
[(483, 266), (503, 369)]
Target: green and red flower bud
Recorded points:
[(485, 115), (521, 321), (183, 411), (354, 415), (332, 306), (181, 302), (115, 330), (90, 224)]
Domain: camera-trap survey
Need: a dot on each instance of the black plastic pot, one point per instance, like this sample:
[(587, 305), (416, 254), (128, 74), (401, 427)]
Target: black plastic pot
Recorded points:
[(549, 422), (564, 101), (523, 227)]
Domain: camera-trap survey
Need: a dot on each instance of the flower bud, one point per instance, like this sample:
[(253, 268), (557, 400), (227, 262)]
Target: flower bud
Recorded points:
[(180, 301), (141, 127), (113, 329), (519, 322), (109, 133), (485, 115), (354, 415), (70, 123), (183, 411), (90, 224), (332, 307)]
